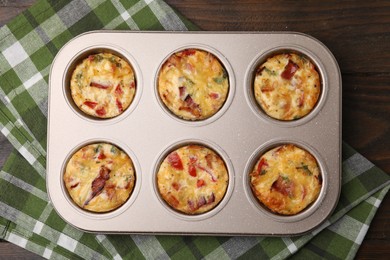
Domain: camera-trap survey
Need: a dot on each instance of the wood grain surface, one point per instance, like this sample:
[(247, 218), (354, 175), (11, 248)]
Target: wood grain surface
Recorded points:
[(358, 34)]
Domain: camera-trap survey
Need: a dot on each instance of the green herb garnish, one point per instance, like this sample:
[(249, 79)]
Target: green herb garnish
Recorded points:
[(97, 149), (305, 168), (271, 72), (219, 80), (97, 58), (114, 150)]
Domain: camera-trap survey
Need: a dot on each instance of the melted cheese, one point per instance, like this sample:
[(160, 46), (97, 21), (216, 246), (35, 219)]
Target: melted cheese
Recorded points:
[(84, 170), (287, 99), (193, 84), (286, 179), (195, 182), (103, 85)]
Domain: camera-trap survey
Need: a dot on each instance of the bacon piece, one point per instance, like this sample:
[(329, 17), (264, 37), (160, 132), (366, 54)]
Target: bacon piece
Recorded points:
[(110, 190), (90, 104), (209, 159), (289, 70), (191, 205), (118, 90), (119, 105), (175, 161), (283, 186), (213, 178), (211, 199), (259, 70), (303, 192), (98, 85), (182, 92), (202, 201), (301, 99), (91, 57), (99, 183), (191, 106), (101, 111), (74, 185), (200, 183), (132, 84), (97, 186), (104, 173)]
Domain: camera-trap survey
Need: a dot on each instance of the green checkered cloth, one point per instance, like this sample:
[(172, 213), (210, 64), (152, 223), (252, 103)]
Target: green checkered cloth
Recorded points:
[(27, 47)]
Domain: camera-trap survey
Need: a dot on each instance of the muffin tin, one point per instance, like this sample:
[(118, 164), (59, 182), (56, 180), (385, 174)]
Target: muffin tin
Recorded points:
[(239, 132)]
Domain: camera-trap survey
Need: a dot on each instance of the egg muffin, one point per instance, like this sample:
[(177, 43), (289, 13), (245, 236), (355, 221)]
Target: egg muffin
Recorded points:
[(192, 179), (193, 84), (99, 177), (286, 179), (287, 86), (103, 85)]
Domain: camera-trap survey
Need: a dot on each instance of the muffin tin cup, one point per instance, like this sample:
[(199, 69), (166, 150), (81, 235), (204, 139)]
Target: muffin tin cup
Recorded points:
[(77, 59), (261, 58), (311, 208), (230, 95), (212, 146), (239, 132), (133, 195)]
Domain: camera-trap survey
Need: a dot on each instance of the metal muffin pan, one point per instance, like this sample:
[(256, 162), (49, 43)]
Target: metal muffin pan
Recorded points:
[(240, 132)]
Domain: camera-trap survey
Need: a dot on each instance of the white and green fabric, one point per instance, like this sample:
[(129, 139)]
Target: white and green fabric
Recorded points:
[(28, 45)]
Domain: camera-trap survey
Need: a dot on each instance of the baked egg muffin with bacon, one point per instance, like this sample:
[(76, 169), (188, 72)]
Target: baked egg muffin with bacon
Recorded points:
[(103, 85), (286, 179), (99, 177), (193, 84), (192, 179), (287, 86)]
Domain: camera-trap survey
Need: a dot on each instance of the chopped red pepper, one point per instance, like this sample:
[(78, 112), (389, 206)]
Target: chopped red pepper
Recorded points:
[(175, 161), (101, 111), (192, 170), (301, 99), (200, 183), (101, 156), (119, 105), (173, 201), (289, 70), (132, 84), (262, 164), (98, 85), (214, 95), (90, 104), (176, 186)]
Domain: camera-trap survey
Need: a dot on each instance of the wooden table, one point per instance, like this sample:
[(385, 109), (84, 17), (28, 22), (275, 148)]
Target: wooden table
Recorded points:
[(358, 34)]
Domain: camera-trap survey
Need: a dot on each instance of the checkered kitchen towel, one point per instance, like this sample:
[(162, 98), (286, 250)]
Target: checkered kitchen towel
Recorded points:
[(28, 45)]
